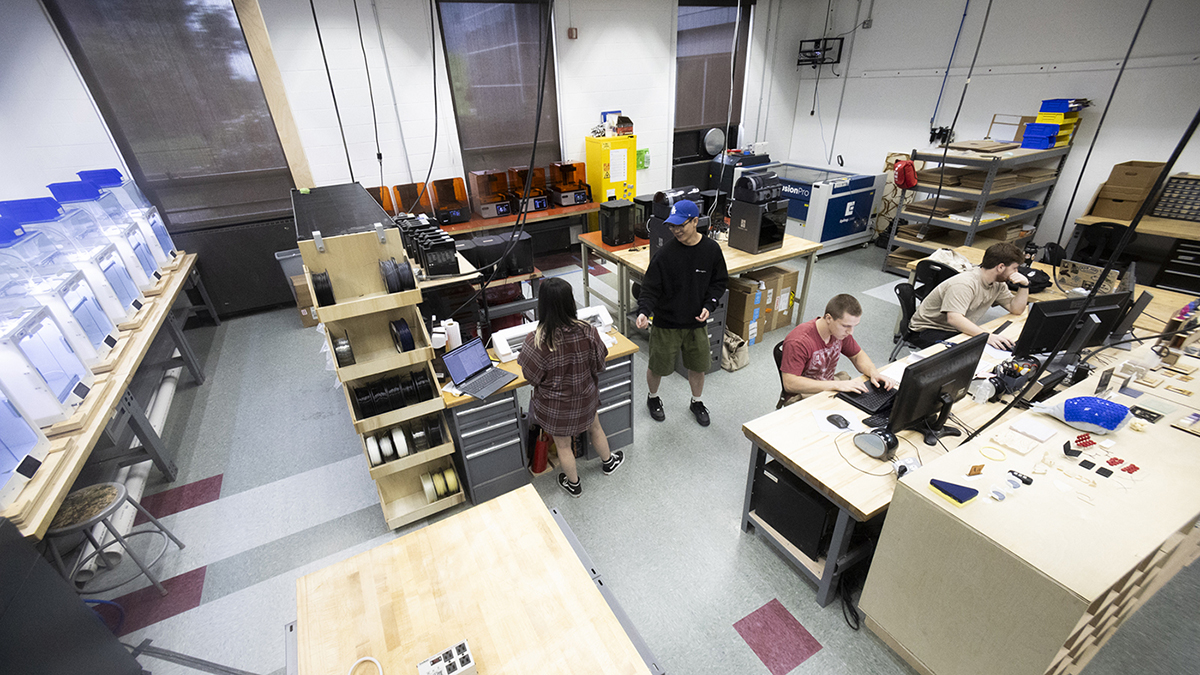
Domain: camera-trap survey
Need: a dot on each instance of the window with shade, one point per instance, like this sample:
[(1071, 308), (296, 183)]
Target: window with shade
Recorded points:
[(177, 88), (708, 67), (494, 55)]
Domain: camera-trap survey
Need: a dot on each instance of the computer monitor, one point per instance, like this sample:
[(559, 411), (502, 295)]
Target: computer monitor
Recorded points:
[(1048, 321), (931, 386)]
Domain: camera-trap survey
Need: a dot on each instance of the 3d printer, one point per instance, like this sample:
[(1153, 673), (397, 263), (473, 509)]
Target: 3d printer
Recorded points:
[(407, 197), (450, 202), (568, 183), (758, 215), (490, 189), (536, 199)]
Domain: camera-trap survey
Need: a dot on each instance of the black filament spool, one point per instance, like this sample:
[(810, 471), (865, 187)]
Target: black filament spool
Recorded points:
[(323, 289), (402, 337)]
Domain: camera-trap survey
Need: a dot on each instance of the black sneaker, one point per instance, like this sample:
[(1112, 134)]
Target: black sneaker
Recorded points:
[(700, 412), (573, 489), (654, 403), (615, 459)]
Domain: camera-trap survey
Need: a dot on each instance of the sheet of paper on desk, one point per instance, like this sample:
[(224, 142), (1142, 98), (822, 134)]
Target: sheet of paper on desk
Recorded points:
[(449, 388), (994, 354)]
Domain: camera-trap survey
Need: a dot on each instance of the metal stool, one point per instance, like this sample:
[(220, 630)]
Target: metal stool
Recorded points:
[(80, 512)]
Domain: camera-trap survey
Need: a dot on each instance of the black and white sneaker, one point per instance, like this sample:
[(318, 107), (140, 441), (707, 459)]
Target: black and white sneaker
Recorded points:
[(615, 459), (700, 412), (655, 405), (573, 489)]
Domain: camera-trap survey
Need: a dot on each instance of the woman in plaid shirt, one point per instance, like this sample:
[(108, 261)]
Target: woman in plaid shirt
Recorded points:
[(563, 360)]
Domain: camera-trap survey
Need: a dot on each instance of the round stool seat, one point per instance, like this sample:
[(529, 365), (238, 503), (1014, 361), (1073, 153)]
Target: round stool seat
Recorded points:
[(85, 507)]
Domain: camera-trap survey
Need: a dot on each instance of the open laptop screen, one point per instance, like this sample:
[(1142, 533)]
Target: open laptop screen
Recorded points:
[(467, 360)]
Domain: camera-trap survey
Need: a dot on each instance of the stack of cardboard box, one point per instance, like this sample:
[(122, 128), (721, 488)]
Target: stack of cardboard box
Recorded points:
[(1129, 184), (761, 301)]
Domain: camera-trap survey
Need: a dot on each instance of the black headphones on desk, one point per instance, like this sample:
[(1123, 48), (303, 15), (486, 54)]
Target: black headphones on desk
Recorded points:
[(877, 443)]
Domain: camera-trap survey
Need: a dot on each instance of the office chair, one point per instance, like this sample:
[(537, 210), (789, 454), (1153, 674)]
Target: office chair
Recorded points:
[(929, 275), (783, 395), (1098, 242), (907, 296)]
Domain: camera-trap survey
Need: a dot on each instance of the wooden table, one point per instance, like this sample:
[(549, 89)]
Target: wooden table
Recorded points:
[(1164, 305), (478, 223), (502, 576), (635, 258), (39, 501), (624, 347), (1036, 583), (833, 466)]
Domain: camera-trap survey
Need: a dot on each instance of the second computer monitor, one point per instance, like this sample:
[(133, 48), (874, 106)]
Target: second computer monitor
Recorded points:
[(1048, 321), (931, 386)]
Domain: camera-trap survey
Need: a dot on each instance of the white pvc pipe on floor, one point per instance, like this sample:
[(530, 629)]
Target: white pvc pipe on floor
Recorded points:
[(134, 477)]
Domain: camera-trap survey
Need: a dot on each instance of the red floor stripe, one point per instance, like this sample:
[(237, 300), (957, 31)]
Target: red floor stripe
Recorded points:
[(181, 498), (777, 638), (145, 607)]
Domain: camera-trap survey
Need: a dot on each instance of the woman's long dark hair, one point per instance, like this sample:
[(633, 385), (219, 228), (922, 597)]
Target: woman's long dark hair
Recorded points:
[(556, 309)]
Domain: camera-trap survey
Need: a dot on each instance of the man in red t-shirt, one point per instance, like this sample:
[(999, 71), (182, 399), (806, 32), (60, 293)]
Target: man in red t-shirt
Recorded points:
[(811, 352)]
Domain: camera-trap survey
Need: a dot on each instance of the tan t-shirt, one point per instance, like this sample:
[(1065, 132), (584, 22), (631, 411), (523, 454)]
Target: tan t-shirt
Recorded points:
[(966, 293)]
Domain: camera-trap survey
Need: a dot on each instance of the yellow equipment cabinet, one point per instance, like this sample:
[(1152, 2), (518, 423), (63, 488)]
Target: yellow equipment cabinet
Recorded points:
[(612, 167)]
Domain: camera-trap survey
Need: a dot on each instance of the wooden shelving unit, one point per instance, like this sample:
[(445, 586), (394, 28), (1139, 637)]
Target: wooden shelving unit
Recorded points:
[(942, 232), (363, 312)]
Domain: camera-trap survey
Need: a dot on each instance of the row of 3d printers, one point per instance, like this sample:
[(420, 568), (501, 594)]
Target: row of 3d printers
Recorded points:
[(72, 269), (497, 193)]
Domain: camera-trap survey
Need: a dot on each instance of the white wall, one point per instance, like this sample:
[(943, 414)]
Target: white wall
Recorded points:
[(1070, 50), (48, 126), (624, 59), (406, 36)]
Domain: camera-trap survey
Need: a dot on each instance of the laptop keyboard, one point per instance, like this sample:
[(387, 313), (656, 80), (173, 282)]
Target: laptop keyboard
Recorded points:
[(490, 377), (875, 400)]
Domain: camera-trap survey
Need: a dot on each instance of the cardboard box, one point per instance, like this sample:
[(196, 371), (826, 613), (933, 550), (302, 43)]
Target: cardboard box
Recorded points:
[(780, 301), (746, 298), (1135, 174), (751, 331), (308, 314), (1115, 209), (1124, 193)]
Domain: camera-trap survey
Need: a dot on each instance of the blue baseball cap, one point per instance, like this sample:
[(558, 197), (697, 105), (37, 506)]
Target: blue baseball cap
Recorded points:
[(683, 211)]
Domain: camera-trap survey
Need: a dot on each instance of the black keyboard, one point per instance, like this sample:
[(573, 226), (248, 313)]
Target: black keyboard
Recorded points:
[(876, 421), (875, 400)]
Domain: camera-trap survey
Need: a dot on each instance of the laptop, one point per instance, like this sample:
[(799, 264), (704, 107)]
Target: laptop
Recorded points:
[(472, 370)]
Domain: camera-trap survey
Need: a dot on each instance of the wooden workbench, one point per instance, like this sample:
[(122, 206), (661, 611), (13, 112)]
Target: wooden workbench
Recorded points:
[(634, 259), (833, 466), (1036, 583), (478, 223), (502, 576), (39, 501)]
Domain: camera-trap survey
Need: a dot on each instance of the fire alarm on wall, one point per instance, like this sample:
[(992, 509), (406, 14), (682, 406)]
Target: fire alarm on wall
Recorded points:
[(572, 33)]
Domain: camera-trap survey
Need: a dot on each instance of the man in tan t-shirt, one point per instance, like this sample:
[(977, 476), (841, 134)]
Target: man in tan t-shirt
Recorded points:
[(957, 304)]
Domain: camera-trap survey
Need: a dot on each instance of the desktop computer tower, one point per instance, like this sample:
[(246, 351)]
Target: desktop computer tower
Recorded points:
[(756, 228), (794, 509), (616, 222)]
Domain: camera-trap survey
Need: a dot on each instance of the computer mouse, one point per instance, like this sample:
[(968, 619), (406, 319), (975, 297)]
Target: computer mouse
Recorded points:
[(838, 421)]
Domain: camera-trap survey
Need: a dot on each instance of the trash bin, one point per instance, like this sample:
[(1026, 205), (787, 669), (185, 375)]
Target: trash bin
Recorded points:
[(292, 265)]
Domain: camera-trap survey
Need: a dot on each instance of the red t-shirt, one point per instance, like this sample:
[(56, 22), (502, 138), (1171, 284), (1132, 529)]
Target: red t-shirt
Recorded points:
[(805, 354)]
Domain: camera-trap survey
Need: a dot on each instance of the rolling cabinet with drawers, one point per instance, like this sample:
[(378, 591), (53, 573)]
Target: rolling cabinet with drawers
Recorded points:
[(490, 435), (616, 405)]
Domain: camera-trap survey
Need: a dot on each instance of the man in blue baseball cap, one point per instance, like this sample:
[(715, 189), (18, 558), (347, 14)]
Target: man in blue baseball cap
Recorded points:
[(683, 284)]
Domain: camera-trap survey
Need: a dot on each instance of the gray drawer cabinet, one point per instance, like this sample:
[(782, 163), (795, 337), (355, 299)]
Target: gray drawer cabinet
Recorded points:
[(616, 404), (490, 437)]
